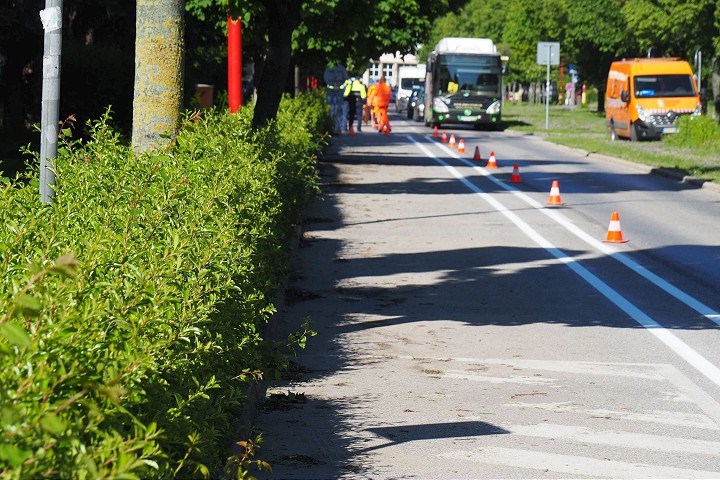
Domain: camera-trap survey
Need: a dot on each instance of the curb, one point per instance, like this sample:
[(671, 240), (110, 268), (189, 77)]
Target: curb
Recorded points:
[(660, 171)]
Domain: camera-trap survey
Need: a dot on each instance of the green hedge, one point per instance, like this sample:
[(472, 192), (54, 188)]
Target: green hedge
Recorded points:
[(132, 307)]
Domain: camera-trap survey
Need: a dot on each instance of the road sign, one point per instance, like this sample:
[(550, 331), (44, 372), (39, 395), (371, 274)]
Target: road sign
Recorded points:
[(548, 51)]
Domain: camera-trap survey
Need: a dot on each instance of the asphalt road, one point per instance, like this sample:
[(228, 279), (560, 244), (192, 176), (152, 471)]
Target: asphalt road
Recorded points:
[(466, 330)]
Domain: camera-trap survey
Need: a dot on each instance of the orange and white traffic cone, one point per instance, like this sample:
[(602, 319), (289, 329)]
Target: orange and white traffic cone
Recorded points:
[(461, 146), (444, 137), (492, 163), (515, 177), (614, 234), (435, 132), (452, 140), (476, 156), (554, 198)]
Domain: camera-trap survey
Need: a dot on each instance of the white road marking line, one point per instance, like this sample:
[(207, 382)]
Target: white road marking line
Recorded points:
[(699, 362), (697, 395), (616, 438), (665, 417), (697, 305), (517, 379), (649, 371), (573, 465)]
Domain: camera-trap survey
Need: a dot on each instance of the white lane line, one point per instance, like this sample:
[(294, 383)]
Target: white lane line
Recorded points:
[(690, 390), (695, 304), (613, 438), (686, 388), (664, 417), (674, 343), (573, 465), (515, 379)]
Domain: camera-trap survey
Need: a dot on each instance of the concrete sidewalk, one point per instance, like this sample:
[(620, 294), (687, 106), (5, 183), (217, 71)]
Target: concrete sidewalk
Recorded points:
[(372, 275)]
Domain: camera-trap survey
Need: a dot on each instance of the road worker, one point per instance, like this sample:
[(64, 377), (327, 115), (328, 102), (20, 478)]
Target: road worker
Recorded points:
[(382, 99), (355, 89), (371, 93)]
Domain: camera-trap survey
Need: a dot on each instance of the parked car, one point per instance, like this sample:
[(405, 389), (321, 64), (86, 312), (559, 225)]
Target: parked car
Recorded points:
[(412, 100), (419, 109)]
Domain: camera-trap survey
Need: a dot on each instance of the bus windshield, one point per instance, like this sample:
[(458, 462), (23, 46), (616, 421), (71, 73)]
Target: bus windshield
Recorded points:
[(468, 73), (649, 86)]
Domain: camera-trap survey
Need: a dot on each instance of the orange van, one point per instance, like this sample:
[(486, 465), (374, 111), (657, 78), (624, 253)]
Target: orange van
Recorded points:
[(645, 96)]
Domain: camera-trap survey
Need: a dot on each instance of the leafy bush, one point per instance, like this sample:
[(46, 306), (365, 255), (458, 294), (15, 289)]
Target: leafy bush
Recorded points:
[(695, 132), (133, 304)]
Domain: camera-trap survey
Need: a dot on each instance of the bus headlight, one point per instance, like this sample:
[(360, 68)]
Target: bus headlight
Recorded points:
[(440, 106), (642, 114), (698, 111), (494, 109)]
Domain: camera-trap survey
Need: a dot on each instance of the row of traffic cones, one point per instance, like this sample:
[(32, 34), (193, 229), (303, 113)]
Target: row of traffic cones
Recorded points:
[(614, 233)]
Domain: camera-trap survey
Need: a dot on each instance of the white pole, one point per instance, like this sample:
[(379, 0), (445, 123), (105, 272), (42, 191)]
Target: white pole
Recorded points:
[(547, 91), (51, 19)]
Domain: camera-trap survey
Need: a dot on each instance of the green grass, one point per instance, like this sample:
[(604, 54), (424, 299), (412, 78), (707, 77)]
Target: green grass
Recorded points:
[(585, 129)]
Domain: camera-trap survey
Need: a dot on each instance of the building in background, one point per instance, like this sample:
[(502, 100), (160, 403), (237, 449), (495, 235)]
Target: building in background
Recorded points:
[(387, 65)]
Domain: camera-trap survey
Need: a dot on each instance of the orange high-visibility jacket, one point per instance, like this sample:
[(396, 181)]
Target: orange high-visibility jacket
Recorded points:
[(371, 93), (383, 95)]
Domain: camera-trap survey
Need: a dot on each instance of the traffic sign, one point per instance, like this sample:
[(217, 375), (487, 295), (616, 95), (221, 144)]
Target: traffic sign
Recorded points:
[(548, 53)]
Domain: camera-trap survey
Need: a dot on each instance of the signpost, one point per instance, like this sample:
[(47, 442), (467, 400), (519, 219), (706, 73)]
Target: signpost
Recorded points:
[(51, 18), (548, 53)]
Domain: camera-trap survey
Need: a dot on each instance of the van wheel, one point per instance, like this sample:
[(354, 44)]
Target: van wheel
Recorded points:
[(633, 133), (613, 133)]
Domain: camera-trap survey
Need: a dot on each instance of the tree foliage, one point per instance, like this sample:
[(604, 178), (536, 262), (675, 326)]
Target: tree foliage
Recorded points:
[(592, 33)]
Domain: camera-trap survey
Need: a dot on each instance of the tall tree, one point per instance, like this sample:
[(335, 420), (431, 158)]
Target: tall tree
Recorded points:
[(283, 16), (159, 69), (672, 27), (596, 34), (311, 34)]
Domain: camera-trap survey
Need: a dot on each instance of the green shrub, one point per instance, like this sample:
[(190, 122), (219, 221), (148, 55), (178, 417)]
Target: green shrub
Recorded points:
[(133, 304), (695, 131)]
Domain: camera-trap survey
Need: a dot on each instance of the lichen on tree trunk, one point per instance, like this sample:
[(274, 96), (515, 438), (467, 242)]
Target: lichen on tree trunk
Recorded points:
[(159, 68)]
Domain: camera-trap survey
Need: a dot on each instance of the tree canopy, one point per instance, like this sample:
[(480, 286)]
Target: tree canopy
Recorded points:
[(279, 36), (592, 33)]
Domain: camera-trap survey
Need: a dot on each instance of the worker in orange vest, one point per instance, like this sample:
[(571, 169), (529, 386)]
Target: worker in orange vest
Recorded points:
[(371, 93), (381, 102)]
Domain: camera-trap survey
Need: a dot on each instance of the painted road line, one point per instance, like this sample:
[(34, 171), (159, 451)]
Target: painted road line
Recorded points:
[(663, 417), (573, 465), (687, 390), (616, 438), (695, 359), (514, 379), (695, 304)]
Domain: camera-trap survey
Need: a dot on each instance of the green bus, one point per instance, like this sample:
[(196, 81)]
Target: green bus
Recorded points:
[(463, 83)]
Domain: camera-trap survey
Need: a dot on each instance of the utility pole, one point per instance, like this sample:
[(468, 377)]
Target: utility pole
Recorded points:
[(51, 19)]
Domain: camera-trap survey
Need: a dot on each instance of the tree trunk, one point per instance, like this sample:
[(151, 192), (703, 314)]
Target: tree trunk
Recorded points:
[(283, 17), (159, 68)]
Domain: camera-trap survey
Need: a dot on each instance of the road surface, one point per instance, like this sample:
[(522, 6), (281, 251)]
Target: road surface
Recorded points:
[(467, 330)]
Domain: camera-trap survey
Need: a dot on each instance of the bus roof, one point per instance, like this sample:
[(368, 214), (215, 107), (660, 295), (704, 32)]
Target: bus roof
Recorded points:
[(465, 45)]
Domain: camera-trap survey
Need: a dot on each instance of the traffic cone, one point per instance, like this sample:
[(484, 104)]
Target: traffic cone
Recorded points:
[(452, 140), (515, 177), (492, 163), (444, 137), (614, 234), (554, 198), (461, 146), (435, 132), (477, 153)]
